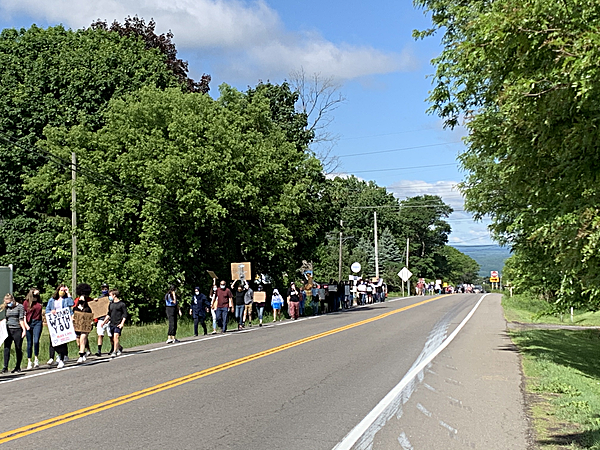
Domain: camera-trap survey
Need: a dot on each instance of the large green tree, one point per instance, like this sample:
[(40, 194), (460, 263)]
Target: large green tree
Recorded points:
[(59, 77), (177, 183), (524, 76)]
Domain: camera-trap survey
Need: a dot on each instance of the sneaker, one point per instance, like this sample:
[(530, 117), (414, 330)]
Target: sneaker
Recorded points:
[(16, 370), (112, 355), (87, 353), (118, 353), (50, 361), (170, 341), (175, 341), (214, 332), (29, 365), (61, 364), (36, 363), (66, 358), (80, 360), (260, 324), (98, 354), (5, 370), (249, 324)]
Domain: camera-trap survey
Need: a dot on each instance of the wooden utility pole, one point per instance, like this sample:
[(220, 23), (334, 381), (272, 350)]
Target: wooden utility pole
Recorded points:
[(73, 223), (340, 261), (376, 248)]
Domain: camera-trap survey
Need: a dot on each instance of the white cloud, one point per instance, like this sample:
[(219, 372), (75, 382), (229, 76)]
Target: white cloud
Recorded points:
[(464, 229), (248, 38)]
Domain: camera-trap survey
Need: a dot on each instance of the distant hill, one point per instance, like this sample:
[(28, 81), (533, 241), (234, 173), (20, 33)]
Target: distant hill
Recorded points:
[(489, 257)]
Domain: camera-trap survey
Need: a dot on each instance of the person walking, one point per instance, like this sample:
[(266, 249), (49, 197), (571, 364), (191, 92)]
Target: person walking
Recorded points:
[(302, 301), (315, 299), (260, 307), (83, 292), (240, 293), (277, 304), (172, 309), (15, 323), (33, 324), (248, 299), (117, 314), (224, 304), (293, 298), (101, 330), (213, 307), (198, 309), (59, 300)]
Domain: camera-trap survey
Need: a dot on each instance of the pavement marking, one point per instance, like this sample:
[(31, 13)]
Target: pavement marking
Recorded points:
[(80, 413), (373, 417)]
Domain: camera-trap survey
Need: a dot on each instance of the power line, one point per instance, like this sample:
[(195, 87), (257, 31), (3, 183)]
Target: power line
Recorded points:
[(404, 168), (398, 149), (389, 134)]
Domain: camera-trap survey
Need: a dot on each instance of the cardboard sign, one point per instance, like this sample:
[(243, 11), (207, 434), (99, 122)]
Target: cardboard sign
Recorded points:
[(321, 294), (240, 271), (99, 307), (212, 274), (260, 297), (61, 327), (83, 322)]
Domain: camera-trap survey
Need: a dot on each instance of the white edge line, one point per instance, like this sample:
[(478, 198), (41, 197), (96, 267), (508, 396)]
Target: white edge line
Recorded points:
[(354, 435)]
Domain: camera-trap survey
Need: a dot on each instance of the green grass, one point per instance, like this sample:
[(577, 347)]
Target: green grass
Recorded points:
[(562, 371), (526, 309)]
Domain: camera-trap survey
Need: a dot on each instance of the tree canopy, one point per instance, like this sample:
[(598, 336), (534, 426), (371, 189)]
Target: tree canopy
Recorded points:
[(524, 77)]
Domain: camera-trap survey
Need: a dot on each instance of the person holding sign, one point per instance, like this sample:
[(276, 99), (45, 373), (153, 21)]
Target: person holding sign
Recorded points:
[(83, 318), (15, 322), (60, 300), (224, 304), (117, 314)]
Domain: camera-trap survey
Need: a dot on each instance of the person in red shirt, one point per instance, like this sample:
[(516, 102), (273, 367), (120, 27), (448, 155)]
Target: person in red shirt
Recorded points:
[(224, 304), (33, 326)]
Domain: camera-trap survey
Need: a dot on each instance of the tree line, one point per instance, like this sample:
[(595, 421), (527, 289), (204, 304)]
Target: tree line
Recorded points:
[(171, 182)]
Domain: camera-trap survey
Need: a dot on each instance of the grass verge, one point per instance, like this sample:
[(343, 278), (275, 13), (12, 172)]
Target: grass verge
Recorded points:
[(526, 309), (562, 372)]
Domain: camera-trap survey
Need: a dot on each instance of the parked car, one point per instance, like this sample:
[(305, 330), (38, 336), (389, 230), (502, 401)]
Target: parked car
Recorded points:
[(478, 289)]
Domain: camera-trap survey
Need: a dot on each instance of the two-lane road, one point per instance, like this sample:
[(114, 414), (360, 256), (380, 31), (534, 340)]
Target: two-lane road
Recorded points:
[(296, 385)]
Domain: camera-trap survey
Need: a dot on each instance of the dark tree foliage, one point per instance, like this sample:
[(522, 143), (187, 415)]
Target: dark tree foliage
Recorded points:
[(136, 27)]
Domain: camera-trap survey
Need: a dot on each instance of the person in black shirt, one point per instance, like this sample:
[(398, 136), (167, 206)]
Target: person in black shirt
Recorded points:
[(117, 313)]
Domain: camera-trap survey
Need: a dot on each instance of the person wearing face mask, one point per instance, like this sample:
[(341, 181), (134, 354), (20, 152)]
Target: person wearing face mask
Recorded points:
[(101, 329), (198, 309), (277, 304), (15, 322), (60, 299), (33, 324), (224, 304), (213, 306), (172, 309), (117, 314), (240, 305), (83, 292), (293, 298)]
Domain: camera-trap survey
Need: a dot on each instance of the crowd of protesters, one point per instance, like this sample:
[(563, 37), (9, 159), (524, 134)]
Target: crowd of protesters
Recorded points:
[(27, 319)]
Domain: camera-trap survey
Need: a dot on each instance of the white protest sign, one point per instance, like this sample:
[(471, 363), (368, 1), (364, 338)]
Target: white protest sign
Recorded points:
[(3, 331), (61, 327)]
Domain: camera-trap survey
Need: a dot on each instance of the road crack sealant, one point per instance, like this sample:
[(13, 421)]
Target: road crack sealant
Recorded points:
[(362, 436)]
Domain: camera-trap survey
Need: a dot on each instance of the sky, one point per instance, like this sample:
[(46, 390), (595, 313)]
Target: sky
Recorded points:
[(383, 131)]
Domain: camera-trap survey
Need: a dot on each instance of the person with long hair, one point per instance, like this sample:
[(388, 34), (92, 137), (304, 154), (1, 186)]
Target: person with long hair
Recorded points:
[(83, 292), (15, 323), (60, 299), (277, 304), (213, 306), (172, 307), (33, 324)]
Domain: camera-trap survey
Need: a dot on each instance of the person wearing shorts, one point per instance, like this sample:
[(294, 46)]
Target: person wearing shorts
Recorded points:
[(117, 314), (100, 328)]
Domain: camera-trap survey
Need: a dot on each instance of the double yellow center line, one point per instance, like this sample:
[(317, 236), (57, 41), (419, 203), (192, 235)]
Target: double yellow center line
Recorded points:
[(80, 413)]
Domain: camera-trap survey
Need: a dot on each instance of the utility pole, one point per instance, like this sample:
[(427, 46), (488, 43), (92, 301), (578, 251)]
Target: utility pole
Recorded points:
[(376, 249), (408, 281), (73, 223), (340, 262)]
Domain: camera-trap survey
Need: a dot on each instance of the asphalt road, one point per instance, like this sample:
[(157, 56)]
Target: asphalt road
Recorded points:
[(302, 384)]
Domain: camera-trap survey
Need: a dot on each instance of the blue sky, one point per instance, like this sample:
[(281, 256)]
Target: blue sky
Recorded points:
[(366, 47)]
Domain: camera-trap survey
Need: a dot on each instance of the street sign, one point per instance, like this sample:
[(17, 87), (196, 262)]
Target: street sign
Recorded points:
[(494, 274), (355, 267), (405, 274), (494, 279)]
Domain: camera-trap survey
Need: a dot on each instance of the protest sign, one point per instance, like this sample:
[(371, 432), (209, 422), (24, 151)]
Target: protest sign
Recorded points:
[(99, 307), (240, 271), (260, 297), (83, 322), (3, 331), (60, 326)]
